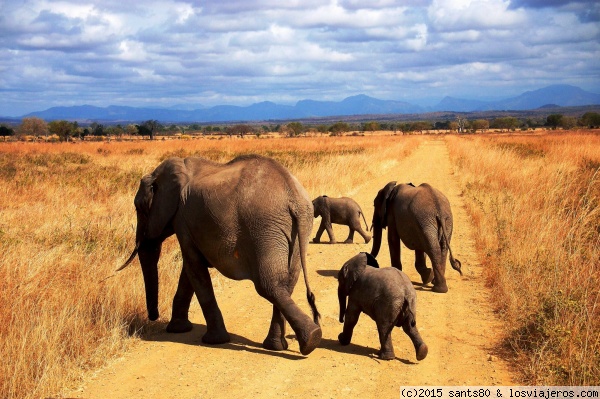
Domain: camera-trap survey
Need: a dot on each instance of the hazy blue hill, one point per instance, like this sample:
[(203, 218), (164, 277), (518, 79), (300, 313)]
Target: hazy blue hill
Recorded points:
[(563, 95), (557, 95)]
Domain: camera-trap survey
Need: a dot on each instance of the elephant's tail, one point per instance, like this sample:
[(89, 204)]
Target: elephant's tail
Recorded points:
[(364, 220), (405, 315), (304, 230), (455, 263)]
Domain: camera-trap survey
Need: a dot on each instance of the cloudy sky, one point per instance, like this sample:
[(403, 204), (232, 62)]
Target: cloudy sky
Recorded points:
[(204, 53)]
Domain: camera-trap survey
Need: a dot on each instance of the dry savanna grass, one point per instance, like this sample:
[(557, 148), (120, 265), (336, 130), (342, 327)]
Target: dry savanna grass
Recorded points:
[(534, 201), (67, 221)]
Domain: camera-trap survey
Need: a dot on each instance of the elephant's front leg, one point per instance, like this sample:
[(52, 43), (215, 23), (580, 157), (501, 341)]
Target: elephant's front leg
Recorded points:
[(197, 271), (350, 319), (275, 340), (425, 272), (180, 322), (320, 231), (384, 328), (394, 246)]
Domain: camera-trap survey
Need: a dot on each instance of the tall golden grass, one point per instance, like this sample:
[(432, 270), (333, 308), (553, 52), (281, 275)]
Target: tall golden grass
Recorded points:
[(67, 221), (535, 203)]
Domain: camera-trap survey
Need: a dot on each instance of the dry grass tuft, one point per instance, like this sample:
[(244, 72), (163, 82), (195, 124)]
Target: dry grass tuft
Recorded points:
[(535, 203), (67, 221)]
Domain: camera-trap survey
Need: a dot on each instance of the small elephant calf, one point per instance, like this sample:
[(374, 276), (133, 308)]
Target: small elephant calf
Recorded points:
[(343, 211), (386, 295)]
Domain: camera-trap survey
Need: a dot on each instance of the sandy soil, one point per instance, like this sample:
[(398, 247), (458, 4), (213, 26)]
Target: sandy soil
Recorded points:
[(459, 327)]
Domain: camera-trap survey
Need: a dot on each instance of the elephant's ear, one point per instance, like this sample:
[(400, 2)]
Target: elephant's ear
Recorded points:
[(352, 270), (371, 261), (161, 196), (381, 203)]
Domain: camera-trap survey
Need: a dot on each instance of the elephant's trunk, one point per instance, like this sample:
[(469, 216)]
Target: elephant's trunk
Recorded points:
[(342, 298), (149, 253), (377, 233)]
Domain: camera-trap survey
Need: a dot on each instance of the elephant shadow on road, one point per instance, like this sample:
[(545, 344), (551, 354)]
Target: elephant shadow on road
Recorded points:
[(237, 343), (328, 273), (354, 349)]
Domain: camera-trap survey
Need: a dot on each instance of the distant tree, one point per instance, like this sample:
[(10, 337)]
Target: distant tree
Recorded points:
[(590, 119), (97, 129), (131, 130), (462, 123), (150, 127), (508, 123), (568, 122), (553, 120), (295, 128), (143, 130), (6, 131), (63, 129), (441, 125), (371, 126), (420, 126), (33, 127), (480, 124), (338, 128), (239, 130), (322, 128), (453, 126)]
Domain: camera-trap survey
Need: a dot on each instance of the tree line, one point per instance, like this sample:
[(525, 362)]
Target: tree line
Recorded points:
[(65, 130)]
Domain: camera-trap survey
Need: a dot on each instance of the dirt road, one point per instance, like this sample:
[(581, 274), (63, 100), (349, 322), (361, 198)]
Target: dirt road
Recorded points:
[(458, 327)]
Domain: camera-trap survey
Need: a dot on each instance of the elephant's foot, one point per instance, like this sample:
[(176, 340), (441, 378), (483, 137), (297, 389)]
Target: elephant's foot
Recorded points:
[(440, 288), (274, 344), (427, 275), (179, 326), (422, 352), (387, 355), (343, 340), (309, 342), (316, 240), (332, 241), (216, 337), (349, 241)]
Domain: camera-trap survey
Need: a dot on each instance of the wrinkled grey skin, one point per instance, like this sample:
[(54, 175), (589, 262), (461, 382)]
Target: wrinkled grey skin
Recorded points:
[(386, 295), (222, 219), (421, 217), (339, 211)]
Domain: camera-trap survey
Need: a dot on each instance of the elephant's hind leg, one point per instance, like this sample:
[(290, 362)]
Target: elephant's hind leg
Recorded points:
[(425, 272), (307, 332), (350, 238), (181, 305), (384, 328), (275, 340), (438, 262)]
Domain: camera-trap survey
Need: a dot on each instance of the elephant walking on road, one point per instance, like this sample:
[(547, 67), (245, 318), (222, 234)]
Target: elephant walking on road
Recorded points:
[(222, 219), (421, 217), (386, 295), (339, 211)]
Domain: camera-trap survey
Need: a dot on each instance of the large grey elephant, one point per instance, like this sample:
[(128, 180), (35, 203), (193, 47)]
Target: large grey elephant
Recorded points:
[(339, 211), (222, 219), (386, 295), (421, 217)]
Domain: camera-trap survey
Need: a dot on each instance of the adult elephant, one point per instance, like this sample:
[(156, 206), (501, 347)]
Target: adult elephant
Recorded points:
[(421, 217), (223, 219)]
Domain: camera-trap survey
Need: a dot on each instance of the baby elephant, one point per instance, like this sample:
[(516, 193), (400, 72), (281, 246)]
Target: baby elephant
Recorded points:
[(386, 295), (339, 211)]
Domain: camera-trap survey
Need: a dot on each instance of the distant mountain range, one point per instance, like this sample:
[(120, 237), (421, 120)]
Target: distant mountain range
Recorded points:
[(551, 96)]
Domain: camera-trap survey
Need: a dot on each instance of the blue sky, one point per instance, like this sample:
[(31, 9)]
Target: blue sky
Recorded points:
[(204, 53)]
